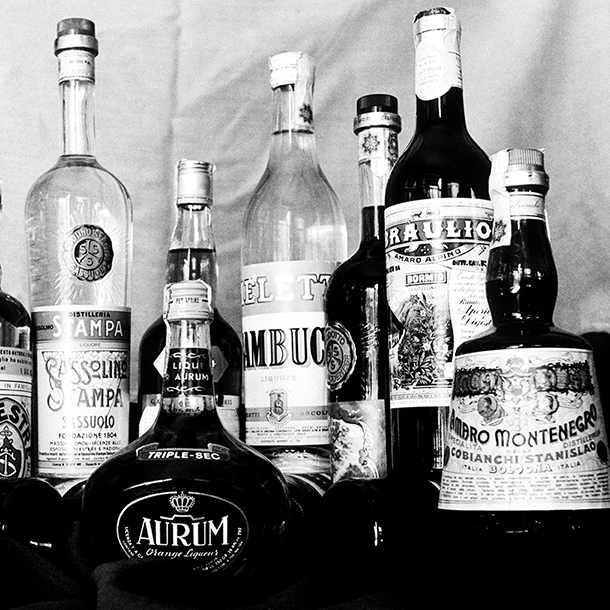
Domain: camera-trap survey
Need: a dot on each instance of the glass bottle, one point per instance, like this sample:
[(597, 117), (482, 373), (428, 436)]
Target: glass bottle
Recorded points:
[(15, 388), (192, 256), (187, 490), (527, 446), (437, 230), (295, 236), (79, 230), (356, 331)]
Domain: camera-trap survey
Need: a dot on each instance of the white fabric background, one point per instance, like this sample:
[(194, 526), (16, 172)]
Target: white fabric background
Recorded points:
[(189, 78)]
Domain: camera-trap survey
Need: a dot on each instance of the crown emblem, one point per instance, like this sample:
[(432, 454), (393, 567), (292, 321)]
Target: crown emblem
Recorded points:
[(182, 502)]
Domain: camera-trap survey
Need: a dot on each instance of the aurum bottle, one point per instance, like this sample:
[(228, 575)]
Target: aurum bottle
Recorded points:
[(192, 256), (295, 236), (79, 229), (356, 332), (187, 490), (527, 448), (437, 231), (15, 389)]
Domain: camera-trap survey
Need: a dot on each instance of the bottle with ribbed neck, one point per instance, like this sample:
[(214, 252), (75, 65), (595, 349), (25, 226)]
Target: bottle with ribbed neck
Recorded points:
[(187, 490), (356, 331), (527, 444), (295, 236), (437, 231), (79, 230), (191, 256)]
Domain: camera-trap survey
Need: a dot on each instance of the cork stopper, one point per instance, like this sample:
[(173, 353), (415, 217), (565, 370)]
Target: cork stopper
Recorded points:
[(76, 33), (290, 67), (189, 300), (194, 182)]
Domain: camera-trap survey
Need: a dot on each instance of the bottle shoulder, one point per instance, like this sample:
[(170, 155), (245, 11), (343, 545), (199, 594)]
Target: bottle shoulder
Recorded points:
[(365, 267), (13, 311)]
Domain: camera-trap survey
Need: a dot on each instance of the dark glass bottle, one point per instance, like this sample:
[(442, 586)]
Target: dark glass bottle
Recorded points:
[(355, 302), (192, 256), (187, 490), (527, 447), (437, 231)]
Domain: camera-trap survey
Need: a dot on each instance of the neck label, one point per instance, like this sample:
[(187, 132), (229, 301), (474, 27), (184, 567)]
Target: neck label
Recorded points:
[(438, 65), (76, 64)]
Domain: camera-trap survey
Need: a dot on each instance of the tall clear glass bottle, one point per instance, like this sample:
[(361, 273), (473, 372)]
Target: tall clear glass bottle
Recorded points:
[(15, 388), (356, 331), (79, 229), (187, 490), (192, 256), (437, 231), (295, 236)]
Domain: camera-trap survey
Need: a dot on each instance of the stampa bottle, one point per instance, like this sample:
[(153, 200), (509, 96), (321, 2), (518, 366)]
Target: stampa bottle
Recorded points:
[(437, 232), (295, 236), (192, 256), (79, 231), (187, 490)]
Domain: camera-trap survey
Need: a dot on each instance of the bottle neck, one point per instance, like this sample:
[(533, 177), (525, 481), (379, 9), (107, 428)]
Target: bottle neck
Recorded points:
[(446, 111), (377, 154), (76, 89), (521, 274), (293, 137)]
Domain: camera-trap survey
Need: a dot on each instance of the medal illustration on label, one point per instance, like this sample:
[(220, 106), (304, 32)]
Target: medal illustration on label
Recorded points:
[(278, 408), (340, 354), (87, 253)]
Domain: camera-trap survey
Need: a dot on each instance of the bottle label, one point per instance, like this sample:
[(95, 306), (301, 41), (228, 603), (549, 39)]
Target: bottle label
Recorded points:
[(202, 531), (76, 64), (82, 361), (379, 147), (188, 373), (438, 65), (283, 336), (341, 355), (15, 413), (526, 432), (358, 440), (87, 253), (515, 206), (436, 256)]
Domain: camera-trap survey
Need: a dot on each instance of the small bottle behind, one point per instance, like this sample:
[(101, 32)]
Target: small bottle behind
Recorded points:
[(187, 490), (192, 256), (15, 388), (527, 464), (295, 237), (79, 231), (356, 332)]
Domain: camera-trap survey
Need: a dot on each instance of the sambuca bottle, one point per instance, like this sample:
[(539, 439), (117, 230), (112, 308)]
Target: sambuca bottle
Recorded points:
[(187, 490), (79, 230)]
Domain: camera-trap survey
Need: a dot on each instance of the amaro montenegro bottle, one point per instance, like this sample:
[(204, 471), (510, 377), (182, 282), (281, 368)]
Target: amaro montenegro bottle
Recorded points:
[(79, 229), (437, 231), (187, 490), (295, 236)]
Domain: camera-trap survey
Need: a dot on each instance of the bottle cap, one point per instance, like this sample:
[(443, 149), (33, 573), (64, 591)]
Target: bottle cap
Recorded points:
[(194, 182), (287, 68), (76, 33), (439, 18), (518, 167), (377, 110), (189, 300)]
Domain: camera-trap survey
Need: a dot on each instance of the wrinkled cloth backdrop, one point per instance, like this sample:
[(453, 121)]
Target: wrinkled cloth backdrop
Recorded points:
[(189, 78)]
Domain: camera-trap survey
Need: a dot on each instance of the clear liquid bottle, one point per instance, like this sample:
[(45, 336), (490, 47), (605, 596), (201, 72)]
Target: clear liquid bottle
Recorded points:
[(356, 331), (295, 236), (192, 256), (438, 222), (16, 389), (79, 230), (187, 490)]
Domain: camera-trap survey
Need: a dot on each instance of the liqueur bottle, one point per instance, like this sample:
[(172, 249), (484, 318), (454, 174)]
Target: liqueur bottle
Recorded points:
[(295, 236), (527, 456), (437, 231), (79, 228), (15, 389), (356, 331), (187, 490), (192, 256)]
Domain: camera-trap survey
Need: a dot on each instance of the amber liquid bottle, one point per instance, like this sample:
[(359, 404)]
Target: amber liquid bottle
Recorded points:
[(526, 469), (187, 490), (355, 303), (437, 232), (192, 256)]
